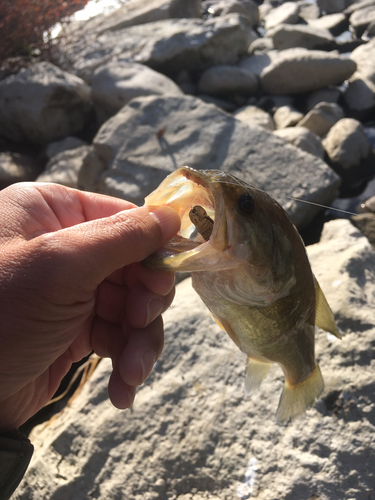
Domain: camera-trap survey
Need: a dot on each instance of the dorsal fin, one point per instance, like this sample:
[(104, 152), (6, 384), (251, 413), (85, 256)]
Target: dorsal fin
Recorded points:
[(323, 315)]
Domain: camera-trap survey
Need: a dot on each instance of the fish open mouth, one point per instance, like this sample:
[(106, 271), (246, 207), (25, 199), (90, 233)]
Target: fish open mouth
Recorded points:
[(194, 196)]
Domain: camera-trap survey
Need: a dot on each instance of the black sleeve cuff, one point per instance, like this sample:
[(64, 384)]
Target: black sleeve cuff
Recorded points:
[(15, 455)]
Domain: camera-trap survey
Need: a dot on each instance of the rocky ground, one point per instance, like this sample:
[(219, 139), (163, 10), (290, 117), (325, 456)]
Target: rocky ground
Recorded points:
[(283, 96)]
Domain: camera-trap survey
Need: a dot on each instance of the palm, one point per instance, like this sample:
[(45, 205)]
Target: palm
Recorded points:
[(63, 294)]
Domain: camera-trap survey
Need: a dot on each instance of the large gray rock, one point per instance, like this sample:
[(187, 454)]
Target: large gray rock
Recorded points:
[(301, 70), (115, 84), (152, 136), (167, 46), (42, 103), (287, 36), (136, 12), (227, 80), (193, 435)]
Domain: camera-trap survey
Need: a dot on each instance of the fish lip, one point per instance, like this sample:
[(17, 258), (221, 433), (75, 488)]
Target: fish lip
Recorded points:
[(218, 241)]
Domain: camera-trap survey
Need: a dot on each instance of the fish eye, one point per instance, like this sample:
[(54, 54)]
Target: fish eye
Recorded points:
[(246, 204)]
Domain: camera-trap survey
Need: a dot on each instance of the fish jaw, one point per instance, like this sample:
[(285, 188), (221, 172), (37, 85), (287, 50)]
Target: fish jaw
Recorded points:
[(181, 190)]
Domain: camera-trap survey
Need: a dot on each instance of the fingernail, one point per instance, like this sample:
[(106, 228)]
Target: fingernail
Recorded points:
[(154, 308), (169, 220), (147, 362)]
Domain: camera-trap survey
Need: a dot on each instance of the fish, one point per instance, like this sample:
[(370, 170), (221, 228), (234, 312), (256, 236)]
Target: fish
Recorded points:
[(249, 266)]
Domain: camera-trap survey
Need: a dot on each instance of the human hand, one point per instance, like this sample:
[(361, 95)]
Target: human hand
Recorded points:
[(71, 282)]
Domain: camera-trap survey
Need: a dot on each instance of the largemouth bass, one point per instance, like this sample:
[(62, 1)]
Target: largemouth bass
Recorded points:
[(249, 266)]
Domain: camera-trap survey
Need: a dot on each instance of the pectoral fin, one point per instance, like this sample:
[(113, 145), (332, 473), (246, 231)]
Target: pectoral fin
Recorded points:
[(323, 316), (255, 373)]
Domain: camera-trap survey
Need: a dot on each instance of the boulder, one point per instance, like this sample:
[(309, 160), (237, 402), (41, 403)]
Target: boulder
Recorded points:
[(57, 147), (63, 168), (15, 167), (42, 103), (300, 70), (252, 115), (321, 118), (287, 36), (360, 94), (330, 94), (286, 116), (308, 10), (286, 13), (359, 98), (334, 23), (302, 138), (364, 57), (349, 152), (361, 18), (245, 7), (115, 84), (227, 80), (332, 6), (193, 435), (258, 62), (152, 136), (167, 46), (366, 224), (136, 12)]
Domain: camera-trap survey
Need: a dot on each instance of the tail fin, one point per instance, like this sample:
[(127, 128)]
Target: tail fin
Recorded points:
[(295, 399)]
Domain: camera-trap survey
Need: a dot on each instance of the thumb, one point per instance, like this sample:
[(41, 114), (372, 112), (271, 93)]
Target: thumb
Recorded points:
[(95, 249)]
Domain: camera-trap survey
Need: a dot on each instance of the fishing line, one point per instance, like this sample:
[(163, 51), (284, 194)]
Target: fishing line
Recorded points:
[(319, 205)]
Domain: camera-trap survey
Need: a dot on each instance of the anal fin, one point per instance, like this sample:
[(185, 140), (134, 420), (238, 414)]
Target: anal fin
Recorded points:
[(255, 373), (295, 399), (323, 316)]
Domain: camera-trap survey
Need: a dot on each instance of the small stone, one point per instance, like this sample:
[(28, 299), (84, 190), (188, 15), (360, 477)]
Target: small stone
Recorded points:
[(287, 13), (287, 36), (255, 116), (15, 167), (57, 147), (227, 80), (331, 94), (361, 18), (245, 7), (286, 116), (64, 167), (321, 118), (300, 70), (359, 98), (302, 138), (350, 153), (366, 224), (334, 23)]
